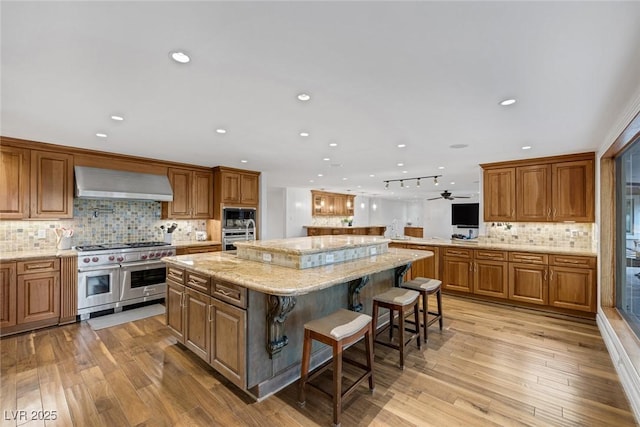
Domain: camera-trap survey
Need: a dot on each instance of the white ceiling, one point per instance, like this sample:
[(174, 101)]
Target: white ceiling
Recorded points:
[(426, 74)]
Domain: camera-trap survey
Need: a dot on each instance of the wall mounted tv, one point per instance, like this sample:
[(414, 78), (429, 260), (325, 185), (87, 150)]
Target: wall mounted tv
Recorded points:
[(465, 215)]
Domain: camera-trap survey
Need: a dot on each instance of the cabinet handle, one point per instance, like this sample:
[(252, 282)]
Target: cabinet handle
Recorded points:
[(545, 276), (32, 266), (555, 210), (535, 258), (568, 261), (182, 304), (210, 313), (220, 291), (551, 275), (549, 214), (513, 212)]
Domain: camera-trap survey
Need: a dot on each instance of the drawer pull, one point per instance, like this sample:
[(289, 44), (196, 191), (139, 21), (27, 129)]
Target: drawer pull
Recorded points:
[(220, 291), (569, 261), (32, 266), (530, 257)]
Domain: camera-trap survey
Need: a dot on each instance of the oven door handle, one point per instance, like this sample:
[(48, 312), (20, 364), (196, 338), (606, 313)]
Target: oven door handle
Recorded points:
[(147, 264), (82, 269)]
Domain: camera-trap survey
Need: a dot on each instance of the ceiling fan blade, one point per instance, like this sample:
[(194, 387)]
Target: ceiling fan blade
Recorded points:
[(462, 197), (435, 198)]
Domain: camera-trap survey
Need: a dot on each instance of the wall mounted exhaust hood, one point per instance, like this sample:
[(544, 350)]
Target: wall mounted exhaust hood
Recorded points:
[(96, 183)]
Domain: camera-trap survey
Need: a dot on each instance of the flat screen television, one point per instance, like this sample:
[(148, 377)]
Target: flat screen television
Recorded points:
[(465, 214)]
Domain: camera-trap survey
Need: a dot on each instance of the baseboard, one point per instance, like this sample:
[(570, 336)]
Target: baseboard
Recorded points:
[(629, 375)]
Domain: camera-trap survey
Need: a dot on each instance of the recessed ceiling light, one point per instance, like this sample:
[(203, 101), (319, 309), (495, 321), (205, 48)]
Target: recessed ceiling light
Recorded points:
[(458, 146), (400, 164), (326, 159), (526, 147), (333, 144), (304, 133), (311, 180), (405, 171), (344, 179), (180, 57), (243, 161), (507, 102), (320, 174), (371, 176), (101, 135), (117, 118), (453, 183), (440, 167), (304, 96), (221, 131), (402, 145)]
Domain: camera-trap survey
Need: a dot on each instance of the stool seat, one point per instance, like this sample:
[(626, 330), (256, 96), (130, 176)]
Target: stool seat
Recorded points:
[(339, 324), (422, 284), (426, 286), (397, 296)]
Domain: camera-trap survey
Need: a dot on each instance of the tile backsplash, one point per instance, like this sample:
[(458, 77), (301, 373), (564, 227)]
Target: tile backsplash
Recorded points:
[(328, 221), (573, 235), (97, 221)]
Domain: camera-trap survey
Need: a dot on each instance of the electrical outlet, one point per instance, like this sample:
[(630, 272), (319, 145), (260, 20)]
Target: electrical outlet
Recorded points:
[(189, 229), (42, 233), (266, 257)]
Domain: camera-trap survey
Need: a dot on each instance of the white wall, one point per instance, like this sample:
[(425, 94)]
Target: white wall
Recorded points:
[(273, 217), (298, 211), (361, 211)]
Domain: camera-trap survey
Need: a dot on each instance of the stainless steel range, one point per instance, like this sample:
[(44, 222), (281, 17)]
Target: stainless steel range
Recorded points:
[(114, 275)]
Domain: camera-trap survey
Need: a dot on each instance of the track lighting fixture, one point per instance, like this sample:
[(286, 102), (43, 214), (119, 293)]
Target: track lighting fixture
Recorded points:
[(435, 181)]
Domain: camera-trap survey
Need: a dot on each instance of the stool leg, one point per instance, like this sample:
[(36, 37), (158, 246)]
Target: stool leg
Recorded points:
[(425, 314), (416, 316), (390, 325), (439, 298), (304, 369), (368, 342), (374, 321), (401, 338), (337, 382)]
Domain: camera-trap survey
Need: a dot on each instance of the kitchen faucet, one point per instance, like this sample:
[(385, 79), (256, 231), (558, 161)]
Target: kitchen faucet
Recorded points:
[(246, 230)]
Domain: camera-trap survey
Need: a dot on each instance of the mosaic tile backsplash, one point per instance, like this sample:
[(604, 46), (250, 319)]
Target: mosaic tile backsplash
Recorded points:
[(328, 221), (97, 221), (572, 235)]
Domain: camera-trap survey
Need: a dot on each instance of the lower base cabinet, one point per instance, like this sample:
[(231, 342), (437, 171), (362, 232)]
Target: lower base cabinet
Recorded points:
[(211, 328), (572, 288), (528, 283), (491, 278)]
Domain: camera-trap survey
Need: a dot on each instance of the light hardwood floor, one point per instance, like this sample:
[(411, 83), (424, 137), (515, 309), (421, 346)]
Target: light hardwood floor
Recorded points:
[(491, 365)]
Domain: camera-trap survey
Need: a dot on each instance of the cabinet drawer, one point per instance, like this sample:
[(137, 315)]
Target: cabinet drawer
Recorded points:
[(492, 255), (528, 258), (176, 275), (459, 252), (38, 266), (199, 282), (229, 292), (572, 261)]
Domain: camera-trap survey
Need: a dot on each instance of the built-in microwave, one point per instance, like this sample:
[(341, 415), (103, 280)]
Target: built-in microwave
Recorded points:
[(237, 217)]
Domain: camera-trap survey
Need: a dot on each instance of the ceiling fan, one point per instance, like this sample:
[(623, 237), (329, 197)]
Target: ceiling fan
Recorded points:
[(446, 194)]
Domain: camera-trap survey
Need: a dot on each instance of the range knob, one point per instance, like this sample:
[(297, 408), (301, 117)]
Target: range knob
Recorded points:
[(151, 255), (164, 254), (86, 260), (95, 259), (143, 257), (158, 254), (120, 259), (111, 258), (169, 252)]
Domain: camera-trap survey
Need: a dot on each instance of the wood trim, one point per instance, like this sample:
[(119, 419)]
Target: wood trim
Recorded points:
[(607, 239), (68, 289), (540, 160), (628, 135)]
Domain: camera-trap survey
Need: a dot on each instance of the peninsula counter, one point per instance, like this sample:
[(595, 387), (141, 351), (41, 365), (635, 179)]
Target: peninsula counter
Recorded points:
[(232, 312)]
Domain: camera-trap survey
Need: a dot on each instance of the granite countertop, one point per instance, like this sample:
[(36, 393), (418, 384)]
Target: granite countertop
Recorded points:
[(277, 280), (36, 253), (189, 243), (342, 226), (311, 245), (497, 246)]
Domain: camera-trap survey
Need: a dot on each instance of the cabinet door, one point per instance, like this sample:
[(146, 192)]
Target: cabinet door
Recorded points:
[(202, 202), (196, 331), (38, 297), (249, 189), (175, 309), (572, 288), (573, 191), (491, 278), (180, 207), (457, 274), (14, 182), (51, 194), (528, 283), (228, 341), (7, 294), (426, 267), (500, 194), (230, 182), (533, 193), (350, 206)]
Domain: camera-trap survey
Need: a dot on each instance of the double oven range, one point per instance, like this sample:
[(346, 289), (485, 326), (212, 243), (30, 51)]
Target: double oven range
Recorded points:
[(114, 275)]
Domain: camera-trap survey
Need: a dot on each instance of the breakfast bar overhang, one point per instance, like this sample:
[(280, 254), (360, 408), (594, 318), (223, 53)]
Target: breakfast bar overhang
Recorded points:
[(288, 282)]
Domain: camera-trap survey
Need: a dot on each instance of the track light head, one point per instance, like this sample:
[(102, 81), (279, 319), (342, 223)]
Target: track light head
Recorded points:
[(386, 185), (435, 180), (418, 183), (401, 184)]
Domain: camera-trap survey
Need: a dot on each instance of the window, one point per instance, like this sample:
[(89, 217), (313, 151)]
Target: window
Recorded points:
[(628, 235)]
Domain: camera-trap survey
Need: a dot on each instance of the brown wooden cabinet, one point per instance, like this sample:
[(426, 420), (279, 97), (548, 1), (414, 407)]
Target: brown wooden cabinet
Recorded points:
[(228, 341), (174, 302), (500, 194), (572, 282), (426, 267), (196, 331), (7, 294), (38, 292), (236, 187), (192, 195), (414, 232), (331, 204), (549, 189), (490, 273), (35, 184), (457, 269), (14, 182), (198, 249), (359, 231), (528, 283)]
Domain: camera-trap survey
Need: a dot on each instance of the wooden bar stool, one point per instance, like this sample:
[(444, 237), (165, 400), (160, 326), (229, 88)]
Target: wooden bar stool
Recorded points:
[(427, 287), (400, 300), (339, 330)]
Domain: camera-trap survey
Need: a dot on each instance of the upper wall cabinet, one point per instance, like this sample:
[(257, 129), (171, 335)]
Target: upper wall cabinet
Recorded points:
[(235, 187), (550, 189), (37, 184), (192, 195), (331, 204)]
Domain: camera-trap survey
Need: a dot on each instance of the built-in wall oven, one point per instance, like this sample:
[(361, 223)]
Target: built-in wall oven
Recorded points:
[(112, 276), (238, 224)]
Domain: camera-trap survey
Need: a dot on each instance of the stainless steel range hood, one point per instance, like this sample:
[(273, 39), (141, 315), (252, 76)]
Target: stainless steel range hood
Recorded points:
[(96, 183)]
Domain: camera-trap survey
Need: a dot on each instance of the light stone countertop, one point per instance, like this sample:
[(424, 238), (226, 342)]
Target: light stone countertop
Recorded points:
[(498, 246), (37, 253), (188, 243), (283, 281), (341, 226), (311, 245)]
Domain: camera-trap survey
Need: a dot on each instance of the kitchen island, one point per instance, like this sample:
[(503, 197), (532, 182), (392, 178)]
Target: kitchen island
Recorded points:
[(245, 318)]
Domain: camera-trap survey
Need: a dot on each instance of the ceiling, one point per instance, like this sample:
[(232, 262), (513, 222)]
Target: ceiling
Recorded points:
[(425, 74)]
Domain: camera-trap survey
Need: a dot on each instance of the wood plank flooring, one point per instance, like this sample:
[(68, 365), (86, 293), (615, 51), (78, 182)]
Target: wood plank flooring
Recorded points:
[(490, 366)]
